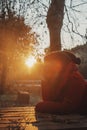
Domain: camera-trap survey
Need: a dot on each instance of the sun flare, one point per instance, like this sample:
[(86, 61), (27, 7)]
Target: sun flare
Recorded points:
[(30, 61)]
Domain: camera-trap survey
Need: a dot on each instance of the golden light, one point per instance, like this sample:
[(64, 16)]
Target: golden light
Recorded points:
[(30, 61)]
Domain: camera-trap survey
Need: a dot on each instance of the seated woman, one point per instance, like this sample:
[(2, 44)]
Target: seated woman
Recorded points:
[(64, 89)]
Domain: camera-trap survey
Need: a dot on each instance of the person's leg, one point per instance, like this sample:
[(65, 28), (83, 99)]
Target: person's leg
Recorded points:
[(55, 107)]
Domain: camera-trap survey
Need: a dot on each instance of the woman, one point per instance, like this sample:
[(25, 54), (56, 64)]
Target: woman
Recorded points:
[(64, 88)]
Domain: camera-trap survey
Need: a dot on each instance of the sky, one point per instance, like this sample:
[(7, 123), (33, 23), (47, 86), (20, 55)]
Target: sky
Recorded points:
[(38, 24), (79, 17)]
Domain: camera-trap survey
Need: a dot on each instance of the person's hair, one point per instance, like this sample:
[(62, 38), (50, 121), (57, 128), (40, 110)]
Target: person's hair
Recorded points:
[(75, 59), (64, 56)]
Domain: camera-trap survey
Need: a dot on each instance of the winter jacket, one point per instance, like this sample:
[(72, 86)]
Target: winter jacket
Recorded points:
[(67, 95)]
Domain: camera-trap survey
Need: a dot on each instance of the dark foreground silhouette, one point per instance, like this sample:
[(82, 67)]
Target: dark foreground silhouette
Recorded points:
[(64, 89)]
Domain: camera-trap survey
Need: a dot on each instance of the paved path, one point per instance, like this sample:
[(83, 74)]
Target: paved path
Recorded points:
[(25, 118)]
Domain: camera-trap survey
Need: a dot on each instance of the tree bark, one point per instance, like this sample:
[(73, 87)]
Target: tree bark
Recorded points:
[(54, 21)]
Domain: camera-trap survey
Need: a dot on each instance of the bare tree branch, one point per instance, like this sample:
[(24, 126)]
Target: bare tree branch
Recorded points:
[(79, 4), (43, 4), (70, 3), (72, 24)]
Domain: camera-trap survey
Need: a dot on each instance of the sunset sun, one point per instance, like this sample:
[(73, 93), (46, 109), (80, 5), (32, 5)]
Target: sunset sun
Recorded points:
[(30, 61)]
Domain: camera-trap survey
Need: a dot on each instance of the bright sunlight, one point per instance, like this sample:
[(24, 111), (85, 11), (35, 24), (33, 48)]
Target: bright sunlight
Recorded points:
[(30, 61)]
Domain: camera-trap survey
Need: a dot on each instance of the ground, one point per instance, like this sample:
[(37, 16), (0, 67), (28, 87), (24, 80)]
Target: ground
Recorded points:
[(25, 118), (15, 116)]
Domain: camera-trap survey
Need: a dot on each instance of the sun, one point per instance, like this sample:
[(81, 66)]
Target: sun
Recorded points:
[(30, 61)]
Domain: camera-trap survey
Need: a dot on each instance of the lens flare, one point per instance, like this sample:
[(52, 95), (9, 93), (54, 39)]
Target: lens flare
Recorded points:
[(30, 61)]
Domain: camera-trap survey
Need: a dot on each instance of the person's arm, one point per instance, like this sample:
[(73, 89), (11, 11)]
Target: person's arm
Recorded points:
[(45, 91), (64, 78)]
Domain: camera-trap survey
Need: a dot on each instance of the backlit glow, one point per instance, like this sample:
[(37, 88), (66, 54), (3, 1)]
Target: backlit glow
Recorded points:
[(30, 61)]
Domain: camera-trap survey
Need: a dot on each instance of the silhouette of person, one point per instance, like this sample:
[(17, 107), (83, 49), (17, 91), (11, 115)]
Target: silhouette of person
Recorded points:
[(64, 89)]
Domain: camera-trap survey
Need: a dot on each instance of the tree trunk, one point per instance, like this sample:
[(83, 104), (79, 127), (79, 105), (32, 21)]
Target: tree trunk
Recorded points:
[(54, 21)]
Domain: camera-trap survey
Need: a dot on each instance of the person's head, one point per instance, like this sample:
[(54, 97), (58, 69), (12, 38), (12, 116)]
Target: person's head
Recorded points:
[(57, 61)]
